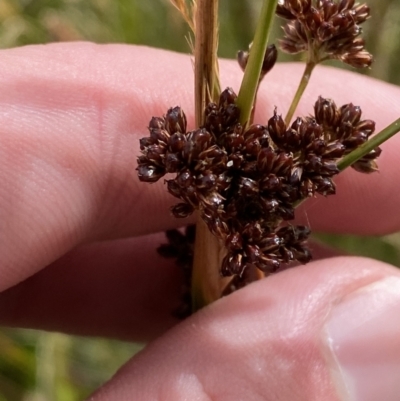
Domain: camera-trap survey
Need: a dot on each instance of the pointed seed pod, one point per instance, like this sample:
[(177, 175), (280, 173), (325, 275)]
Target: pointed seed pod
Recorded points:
[(182, 210), (175, 120)]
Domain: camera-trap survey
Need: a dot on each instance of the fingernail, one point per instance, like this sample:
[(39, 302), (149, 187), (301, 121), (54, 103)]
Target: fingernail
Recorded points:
[(364, 336)]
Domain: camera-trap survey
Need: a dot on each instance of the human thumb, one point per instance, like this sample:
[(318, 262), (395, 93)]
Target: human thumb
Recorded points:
[(326, 331)]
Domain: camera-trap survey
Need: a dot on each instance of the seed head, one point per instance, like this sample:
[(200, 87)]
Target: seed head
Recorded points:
[(328, 29), (246, 182)]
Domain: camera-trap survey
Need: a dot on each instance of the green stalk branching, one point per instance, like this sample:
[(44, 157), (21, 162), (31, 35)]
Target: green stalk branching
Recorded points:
[(251, 78)]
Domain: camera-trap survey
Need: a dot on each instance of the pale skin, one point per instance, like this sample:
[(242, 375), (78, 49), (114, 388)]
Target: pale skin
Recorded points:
[(71, 116)]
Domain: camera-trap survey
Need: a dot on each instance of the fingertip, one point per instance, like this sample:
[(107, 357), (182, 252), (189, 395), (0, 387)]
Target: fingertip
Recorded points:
[(265, 342)]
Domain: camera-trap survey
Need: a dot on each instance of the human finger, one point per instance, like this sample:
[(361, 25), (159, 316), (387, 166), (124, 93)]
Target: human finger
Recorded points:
[(119, 289), (70, 121), (327, 331)]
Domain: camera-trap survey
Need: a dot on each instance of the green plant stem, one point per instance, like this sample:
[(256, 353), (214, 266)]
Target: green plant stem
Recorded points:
[(305, 79), (364, 149), (248, 88)]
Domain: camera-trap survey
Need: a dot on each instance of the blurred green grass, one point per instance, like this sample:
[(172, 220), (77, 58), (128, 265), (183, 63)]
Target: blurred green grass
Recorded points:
[(39, 366)]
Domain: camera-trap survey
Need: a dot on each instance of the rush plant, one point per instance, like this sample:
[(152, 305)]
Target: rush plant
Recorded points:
[(244, 179)]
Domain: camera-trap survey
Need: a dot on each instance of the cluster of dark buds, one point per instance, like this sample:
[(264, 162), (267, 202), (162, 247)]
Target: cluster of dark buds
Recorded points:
[(326, 28), (246, 182)]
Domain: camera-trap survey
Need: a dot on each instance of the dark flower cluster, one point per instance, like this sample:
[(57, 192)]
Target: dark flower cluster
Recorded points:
[(246, 181), (329, 29)]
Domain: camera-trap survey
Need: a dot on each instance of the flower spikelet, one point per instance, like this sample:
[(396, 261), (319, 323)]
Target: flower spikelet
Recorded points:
[(328, 29), (246, 182)]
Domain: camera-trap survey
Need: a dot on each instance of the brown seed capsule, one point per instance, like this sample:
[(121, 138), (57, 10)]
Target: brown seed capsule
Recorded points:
[(283, 11), (155, 154), (230, 116), (182, 210), (296, 175), (252, 147), (367, 126), (234, 141), (307, 188), (361, 13), (159, 136), (373, 154), (270, 205), (317, 146), (292, 140), (329, 9), (242, 58), (291, 46), (157, 123), (313, 19), (357, 139), (234, 241), (232, 264), (219, 228), (325, 31), (345, 5), (286, 254), (268, 264), (249, 168), (310, 132), (283, 164), (302, 254), (350, 113), (176, 142), (173, 188), (255, 131), (184, 179), (324, 185), (253, 231), (227, 97), (329, 168), (150, 172), (325, 112), (360, 59), (172, 162), (145, 142), (206, 181), (271, 55), (252, 253), (334, 150), (270, 183), (270, 243), (276, 127), (247, 187), (175, 120), (365, 166), (265, 160)]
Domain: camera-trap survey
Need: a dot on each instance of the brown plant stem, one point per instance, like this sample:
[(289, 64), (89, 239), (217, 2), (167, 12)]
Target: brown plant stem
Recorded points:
[(207, 254), (205, 56), (207, 284)]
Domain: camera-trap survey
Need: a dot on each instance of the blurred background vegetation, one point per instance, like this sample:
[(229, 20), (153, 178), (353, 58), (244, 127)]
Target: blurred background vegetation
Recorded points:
[(38, 366)]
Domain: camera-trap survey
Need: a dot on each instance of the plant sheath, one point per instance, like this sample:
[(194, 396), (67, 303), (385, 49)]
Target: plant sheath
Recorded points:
[(207, 260)]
